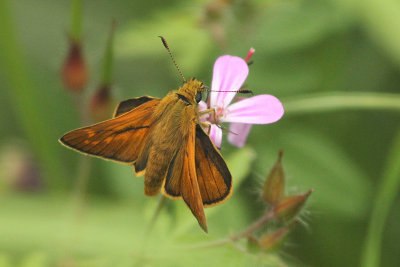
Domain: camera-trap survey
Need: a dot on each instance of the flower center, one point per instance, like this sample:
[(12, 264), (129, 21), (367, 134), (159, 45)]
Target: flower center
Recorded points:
[(220, 112)]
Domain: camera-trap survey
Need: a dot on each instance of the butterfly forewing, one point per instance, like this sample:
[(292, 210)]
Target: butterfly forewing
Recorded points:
[(119, 139)]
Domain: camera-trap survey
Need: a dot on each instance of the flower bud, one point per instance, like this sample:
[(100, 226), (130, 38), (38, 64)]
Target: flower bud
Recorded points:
[(100, 104), (275, 184), (74, 72), (288, 207), (250, 54), (275, 239), (215, 9)]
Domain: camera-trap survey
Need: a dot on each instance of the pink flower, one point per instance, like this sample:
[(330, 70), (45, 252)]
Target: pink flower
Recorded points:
[(229, 74)]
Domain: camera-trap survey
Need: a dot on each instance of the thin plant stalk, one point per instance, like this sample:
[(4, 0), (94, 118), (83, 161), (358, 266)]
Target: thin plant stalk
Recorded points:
[(153, 220), (108, 60), (386, 195), (268, 216), (341, 101), (26, 99), (76, 20)]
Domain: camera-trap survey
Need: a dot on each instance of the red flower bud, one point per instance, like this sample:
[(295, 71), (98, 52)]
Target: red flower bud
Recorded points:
[(250, 54), (275, 184), (74, 72), (100, 104), (288, 207)]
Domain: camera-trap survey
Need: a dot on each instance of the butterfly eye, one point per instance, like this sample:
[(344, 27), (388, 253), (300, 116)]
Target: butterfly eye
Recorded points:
[(198, 96)]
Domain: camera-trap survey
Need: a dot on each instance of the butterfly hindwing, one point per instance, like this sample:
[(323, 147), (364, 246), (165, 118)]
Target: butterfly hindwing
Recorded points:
[(120, 139), (181, 178), (213, 176)]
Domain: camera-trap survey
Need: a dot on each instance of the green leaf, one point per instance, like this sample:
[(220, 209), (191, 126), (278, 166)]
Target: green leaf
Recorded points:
[(43, 227), (5, 260), (27, 103), (239, 163), (380, 19)]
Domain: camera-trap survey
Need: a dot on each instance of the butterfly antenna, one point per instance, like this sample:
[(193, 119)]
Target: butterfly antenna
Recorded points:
[(241, 91), (245, 91), (172, 57)]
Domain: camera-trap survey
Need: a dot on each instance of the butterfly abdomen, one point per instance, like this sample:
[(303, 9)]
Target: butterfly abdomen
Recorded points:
[(157, 166)]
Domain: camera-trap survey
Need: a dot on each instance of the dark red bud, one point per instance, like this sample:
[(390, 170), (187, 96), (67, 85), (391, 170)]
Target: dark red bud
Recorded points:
[(74, 72), (100, 104)]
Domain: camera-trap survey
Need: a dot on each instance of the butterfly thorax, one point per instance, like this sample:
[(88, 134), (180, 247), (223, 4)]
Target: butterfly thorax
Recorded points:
[(189, 90)]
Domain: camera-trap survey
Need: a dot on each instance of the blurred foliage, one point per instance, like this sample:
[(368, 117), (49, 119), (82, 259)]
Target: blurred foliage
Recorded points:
[(303, 49)]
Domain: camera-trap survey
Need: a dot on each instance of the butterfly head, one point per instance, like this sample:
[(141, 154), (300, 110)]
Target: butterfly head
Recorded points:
[(192, 89)]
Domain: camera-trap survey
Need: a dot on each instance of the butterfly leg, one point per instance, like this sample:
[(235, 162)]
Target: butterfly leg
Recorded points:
[(205, 125), (209, 111)]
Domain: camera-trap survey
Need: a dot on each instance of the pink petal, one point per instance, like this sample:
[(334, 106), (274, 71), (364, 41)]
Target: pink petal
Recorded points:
[(238, 133), (203, 106), (229, 75), (216, 135), (261, 109)]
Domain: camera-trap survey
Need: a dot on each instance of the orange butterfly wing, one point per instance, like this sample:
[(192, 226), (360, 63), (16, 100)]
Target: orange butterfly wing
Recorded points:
[(198, 174), (213, 176), (120, 139)]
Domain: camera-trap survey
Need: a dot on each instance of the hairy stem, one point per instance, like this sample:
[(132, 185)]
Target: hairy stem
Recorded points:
[(269, 215)]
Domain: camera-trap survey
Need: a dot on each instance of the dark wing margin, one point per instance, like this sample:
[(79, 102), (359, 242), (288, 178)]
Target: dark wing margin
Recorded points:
[(213, 176), (129, 104)]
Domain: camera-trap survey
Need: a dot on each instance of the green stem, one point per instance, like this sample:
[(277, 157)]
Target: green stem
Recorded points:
[(160, 206), (82, 180), (108, 58), (27, 102), (76, 20), (385, 197), (339, 101)]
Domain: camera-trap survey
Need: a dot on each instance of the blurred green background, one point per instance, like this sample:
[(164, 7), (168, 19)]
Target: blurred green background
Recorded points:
[(335, 66)]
